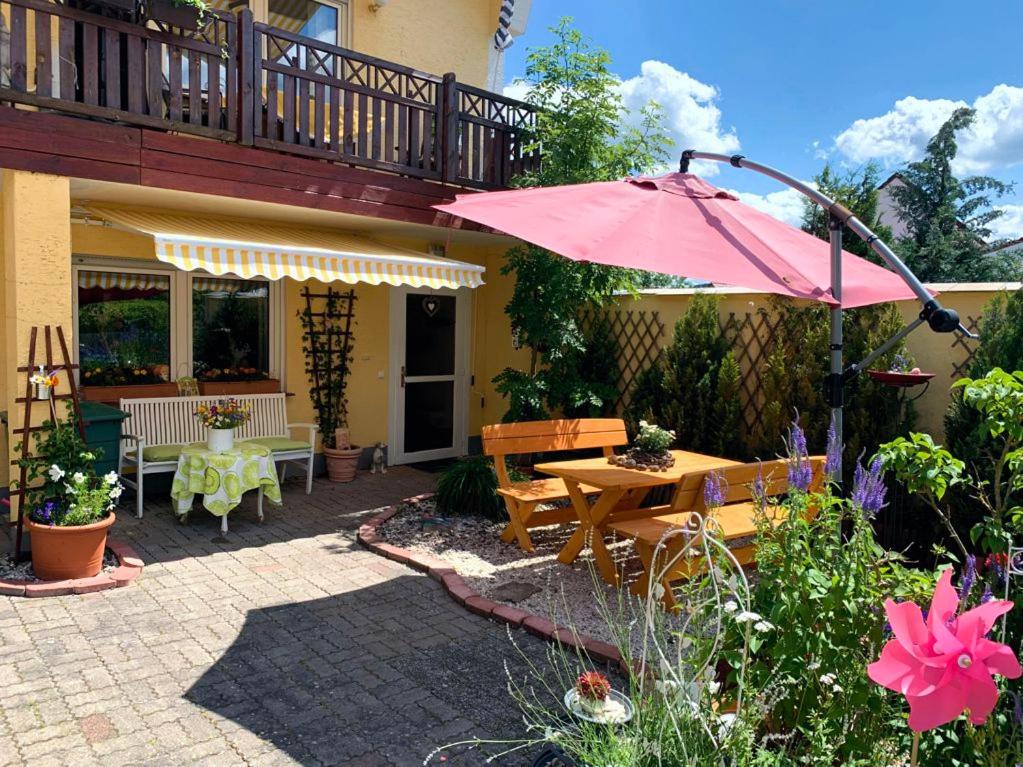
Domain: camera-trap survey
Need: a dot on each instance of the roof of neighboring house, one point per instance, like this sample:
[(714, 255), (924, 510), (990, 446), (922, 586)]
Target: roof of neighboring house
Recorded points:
[(1010, 245)]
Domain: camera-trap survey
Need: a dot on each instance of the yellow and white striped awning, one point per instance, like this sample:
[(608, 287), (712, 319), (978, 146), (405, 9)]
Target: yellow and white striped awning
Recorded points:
[(249, 248), (120, 281)]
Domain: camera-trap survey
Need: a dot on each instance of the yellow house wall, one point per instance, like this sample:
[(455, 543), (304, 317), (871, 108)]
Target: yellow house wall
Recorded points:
[(35, 251), (368, 386), (435, 36)]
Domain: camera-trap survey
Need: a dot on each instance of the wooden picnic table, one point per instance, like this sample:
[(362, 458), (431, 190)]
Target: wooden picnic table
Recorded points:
[(621, 491)]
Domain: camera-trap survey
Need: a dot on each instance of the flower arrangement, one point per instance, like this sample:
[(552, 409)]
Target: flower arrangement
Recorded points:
[(224, 414), (232, 374), (649, 451), (123, 375), (42, 378), (86, 499)]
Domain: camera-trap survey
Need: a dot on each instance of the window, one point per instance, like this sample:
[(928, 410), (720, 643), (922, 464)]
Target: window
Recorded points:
[(150, 325), (124, 327), (230, 329), (321, 21)]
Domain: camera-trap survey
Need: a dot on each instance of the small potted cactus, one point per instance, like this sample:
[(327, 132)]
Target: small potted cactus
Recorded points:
[(593, 699)]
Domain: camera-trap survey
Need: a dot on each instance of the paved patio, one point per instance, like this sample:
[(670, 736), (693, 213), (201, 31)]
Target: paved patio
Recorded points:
[(284, 644)]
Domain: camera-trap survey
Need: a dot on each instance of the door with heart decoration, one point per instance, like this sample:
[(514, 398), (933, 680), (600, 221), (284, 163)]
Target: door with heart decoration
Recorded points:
[(429, 333)]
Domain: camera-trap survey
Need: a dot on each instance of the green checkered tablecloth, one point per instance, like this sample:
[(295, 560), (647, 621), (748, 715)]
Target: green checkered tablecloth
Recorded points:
[(223, 478)]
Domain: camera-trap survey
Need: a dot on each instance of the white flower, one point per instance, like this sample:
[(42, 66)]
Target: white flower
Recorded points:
[(827, 679), (110, 478), (813, 665), (643, 424), (763, 626), (837, 688), (78, 477), (730, 607), (116, 493), (713, 687), (747, 616), (56, 473), (69, 489)]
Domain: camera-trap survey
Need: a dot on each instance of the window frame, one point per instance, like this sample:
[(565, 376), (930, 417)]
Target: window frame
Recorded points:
[(261, 11), (181, 359)]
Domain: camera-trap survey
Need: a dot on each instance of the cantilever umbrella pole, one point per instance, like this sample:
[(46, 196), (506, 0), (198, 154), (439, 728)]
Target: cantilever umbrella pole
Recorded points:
[(940, 319)]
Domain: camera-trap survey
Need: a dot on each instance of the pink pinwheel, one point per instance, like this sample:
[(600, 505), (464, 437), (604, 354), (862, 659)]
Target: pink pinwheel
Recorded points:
[(943, 665)]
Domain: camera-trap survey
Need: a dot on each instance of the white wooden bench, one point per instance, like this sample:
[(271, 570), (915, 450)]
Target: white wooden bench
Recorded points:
[(160, 426)]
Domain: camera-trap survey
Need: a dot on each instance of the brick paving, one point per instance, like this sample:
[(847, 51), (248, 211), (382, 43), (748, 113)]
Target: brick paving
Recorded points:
[(285, 643)]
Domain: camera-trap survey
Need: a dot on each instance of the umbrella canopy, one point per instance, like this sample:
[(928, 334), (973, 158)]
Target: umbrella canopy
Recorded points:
[(679, 224)]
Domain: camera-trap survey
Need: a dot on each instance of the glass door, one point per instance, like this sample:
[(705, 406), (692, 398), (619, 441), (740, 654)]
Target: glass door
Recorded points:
[(428, 374)]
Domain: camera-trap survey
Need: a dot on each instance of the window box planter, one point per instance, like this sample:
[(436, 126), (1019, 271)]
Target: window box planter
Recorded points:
[(182, 16), (119, 5), (112, 395), (227, 388)]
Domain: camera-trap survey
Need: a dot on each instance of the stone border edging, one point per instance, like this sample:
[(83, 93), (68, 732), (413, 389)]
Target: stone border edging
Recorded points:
[(128, 569), (456, 587)]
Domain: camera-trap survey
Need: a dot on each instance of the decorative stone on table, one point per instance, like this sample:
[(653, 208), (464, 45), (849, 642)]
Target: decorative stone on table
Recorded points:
[(649, 451)]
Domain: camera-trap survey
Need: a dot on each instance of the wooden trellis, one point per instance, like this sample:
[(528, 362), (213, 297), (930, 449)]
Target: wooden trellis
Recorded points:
[(751, 337), (637, 335), (969, 347)]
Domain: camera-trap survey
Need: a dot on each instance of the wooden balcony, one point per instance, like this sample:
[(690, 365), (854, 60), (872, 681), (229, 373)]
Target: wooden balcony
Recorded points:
[(251, 84)]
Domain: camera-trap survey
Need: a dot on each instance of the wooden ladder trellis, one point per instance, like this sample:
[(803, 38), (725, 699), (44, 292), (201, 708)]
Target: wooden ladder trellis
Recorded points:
[(331, 346), (27, 429)]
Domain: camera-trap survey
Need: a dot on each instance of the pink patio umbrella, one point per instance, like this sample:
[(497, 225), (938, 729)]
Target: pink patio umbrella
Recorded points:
[(679, 224)]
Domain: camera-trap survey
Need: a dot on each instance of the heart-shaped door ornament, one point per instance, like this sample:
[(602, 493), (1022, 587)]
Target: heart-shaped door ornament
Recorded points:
[(430, 306)]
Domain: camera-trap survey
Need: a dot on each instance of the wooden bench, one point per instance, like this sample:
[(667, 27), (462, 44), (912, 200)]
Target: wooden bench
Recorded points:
[(735, 519), (161, 426), (522, 498)]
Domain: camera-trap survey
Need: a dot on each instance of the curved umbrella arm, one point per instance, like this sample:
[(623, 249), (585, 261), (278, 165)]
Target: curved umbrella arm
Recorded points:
[(939, 318)]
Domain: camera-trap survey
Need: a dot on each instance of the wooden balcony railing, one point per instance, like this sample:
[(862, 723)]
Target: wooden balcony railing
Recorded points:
[(246, 82)]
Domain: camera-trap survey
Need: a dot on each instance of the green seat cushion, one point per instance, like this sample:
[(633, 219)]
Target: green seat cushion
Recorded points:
[(161, 453), (280, 444)]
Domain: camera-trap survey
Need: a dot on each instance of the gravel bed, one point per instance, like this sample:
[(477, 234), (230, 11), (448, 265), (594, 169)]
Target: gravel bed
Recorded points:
[(9, 570), (570, 595)]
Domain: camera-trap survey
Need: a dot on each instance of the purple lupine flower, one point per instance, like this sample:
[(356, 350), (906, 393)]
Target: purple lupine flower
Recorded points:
[(834, 454), (45, 514), (713, 491), (969, 575), (800, 472), (869, 490), (987, 596)]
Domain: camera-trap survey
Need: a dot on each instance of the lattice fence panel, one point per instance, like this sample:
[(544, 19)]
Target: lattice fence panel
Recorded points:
[(967, 347), (637, 333), (751, 336)]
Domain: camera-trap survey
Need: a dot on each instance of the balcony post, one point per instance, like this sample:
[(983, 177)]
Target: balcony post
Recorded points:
[(247, 57), (448, 116)]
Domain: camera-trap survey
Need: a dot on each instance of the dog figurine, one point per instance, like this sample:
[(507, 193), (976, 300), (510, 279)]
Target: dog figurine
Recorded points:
[(379, 464)]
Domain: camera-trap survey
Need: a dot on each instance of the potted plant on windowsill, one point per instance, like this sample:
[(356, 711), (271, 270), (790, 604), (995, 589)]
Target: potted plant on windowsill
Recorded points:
[(185, 14), (72, 509), (221, 419)]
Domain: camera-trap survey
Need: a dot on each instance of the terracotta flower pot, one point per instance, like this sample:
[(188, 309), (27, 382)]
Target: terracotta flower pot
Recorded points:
[(60, 553), (342, 464)]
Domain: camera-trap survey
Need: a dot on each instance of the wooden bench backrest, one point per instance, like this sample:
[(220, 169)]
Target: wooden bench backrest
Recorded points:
[(737, 483), (503, 439), (171, 420)]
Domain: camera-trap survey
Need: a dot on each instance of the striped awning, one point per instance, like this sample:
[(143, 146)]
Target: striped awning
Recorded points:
[(136, 281), (250, 248)]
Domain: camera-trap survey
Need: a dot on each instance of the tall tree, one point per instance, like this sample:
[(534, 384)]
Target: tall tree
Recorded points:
[(583, 127), (948, 218), (856, 190)]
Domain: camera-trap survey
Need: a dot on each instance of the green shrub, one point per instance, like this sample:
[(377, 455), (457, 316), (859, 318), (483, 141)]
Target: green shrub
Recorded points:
[(469, 487), (587, 386), (646, 396)]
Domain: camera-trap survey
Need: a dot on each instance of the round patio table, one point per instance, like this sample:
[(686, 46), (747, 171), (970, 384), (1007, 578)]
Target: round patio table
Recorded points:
[(223, 477)]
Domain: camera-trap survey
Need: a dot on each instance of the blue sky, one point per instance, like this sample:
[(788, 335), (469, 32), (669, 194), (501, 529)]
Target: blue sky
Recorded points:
[(792, 83)]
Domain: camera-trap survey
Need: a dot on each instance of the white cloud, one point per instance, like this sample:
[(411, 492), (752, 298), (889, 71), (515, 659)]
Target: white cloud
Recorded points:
[(994, 141), (692, 117), (785, 204), (1008, 226)]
